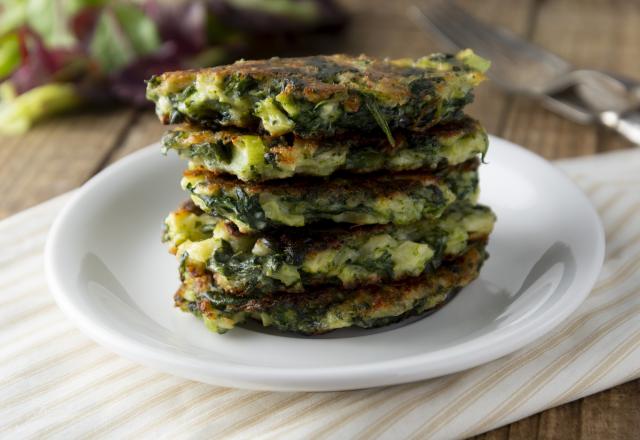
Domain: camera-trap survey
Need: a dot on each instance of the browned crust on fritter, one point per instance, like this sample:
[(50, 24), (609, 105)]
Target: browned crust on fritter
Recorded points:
[(381, 183), (304, 76), (456, 272), (322, 236), (190, 207), (284, 144)]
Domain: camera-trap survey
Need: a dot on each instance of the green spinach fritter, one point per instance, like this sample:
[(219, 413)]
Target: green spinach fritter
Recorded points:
[(295, 260), (254, 157), (399, 198), (330, 308), (321, 96)]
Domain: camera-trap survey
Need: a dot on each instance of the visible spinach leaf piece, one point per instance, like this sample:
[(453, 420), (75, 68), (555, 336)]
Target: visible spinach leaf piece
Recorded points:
[(249, 209), (381, 265), (218, 151)]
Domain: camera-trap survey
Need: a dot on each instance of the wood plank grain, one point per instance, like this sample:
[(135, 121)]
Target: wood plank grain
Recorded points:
[(617, 22), (613, 414), (534, 127), (525, 428), (146, 130), (546, 133), (56, 156), (491, 104), (560, 423), (496, 434), (600, 34)]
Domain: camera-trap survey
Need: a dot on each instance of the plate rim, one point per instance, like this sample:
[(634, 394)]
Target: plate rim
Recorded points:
[(407, 369)]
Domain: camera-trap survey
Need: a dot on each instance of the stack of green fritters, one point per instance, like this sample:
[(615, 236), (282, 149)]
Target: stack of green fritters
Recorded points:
[(327, 191)]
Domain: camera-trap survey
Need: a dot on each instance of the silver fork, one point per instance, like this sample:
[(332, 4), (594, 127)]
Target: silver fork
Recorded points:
[(519, 67)]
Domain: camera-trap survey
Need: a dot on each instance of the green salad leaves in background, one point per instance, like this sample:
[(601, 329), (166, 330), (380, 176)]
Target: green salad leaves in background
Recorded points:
[(115, 53), (57, 55)]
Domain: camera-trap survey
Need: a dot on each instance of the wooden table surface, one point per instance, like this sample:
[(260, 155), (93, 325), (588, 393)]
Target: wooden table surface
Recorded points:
[(60, 155)]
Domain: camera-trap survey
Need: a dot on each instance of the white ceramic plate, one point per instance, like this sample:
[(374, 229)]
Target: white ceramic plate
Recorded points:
[(111, 275)]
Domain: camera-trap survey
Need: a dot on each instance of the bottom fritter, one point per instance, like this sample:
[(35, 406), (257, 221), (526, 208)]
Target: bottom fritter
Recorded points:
[(331, 308)]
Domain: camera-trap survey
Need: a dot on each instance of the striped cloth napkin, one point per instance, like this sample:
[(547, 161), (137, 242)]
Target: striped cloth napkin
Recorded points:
[(56, 383)]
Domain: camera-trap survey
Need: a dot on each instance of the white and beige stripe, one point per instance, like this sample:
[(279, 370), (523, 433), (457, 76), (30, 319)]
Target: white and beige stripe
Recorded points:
[(56, 383)]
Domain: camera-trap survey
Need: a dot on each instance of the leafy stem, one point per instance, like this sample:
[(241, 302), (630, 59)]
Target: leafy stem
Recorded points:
[(372, 106)]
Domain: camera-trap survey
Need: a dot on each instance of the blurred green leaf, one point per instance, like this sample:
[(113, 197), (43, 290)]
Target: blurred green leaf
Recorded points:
[(139, 28), (74, 6), (304, 10), (9, 54), (19, 113), (109, 46), (50, 18), (208, 57), (122, 34), (13, 13), (217, 32)]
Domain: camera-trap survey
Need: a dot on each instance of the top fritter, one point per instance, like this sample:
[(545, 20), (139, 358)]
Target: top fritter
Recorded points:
[(321, 96)]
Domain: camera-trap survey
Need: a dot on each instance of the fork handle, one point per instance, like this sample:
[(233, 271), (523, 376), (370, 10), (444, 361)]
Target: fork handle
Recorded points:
[(628, 124)]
